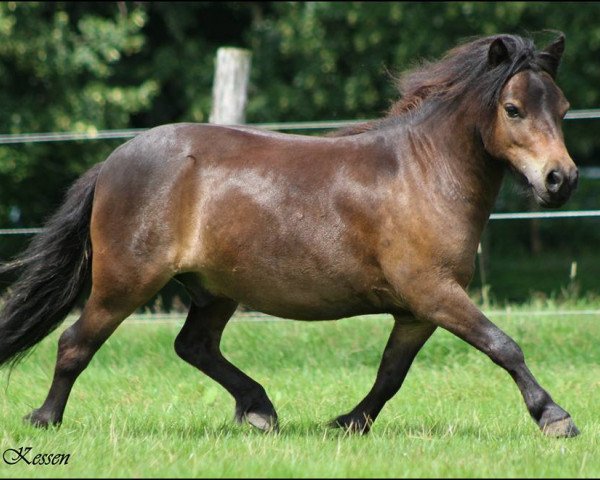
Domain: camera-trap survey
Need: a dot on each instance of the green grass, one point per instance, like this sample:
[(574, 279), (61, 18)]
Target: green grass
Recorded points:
[(520, 277), (139, 411)]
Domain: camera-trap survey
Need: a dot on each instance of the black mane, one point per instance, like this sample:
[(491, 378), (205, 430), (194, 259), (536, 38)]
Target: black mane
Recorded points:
[(463, 75)]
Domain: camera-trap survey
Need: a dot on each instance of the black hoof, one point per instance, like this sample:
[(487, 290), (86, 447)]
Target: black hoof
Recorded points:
[(264, 422), (353, 424), (41, 419), (262, 417), (555, 422), (564, 428)]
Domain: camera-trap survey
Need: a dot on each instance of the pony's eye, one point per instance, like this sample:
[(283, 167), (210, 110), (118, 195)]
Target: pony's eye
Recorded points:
[(512, 111)]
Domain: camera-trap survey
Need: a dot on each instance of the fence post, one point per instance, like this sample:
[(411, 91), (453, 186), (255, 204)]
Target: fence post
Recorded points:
[(485, 288), (230, 85)]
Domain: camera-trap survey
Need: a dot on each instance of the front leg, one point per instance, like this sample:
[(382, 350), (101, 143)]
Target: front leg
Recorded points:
[(452, 309)]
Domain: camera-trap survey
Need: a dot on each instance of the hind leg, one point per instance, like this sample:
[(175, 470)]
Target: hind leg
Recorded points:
[(406, 339), (103, 313), (198, 344)]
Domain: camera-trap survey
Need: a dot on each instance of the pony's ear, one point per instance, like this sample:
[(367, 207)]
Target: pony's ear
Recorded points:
[(552, 54), (497, 53)]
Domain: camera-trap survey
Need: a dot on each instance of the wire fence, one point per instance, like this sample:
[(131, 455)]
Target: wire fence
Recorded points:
[(93, 134), (493, 216), (22, 138), (177, 319)]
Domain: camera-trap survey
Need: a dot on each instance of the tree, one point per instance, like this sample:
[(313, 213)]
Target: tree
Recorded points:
[(61, 69), (86, 66)]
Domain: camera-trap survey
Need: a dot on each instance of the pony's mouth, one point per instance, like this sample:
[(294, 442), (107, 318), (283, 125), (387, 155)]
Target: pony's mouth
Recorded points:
[(547, 200), (545, 193), (542, 196)]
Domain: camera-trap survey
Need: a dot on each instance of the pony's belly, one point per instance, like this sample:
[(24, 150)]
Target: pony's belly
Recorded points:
[(308, 311), (310, 298)]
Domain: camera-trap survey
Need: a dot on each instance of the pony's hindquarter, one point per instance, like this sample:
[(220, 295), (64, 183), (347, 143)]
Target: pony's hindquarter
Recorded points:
[(53, 272), (126, 271), (137, 228)]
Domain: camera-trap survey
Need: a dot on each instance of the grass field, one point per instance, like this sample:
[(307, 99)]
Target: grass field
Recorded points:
[(139, 411)]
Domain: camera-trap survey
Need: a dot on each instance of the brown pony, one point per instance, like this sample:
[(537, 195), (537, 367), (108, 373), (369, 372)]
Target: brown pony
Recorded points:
[(381, 218)]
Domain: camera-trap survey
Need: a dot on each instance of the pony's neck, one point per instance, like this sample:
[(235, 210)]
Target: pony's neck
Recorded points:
[(457, 162)]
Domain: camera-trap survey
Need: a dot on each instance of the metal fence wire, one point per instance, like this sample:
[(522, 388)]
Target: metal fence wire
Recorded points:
[(93, 134)]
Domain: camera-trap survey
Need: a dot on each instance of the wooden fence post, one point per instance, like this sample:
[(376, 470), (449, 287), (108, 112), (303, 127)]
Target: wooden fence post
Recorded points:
[(230, 85)]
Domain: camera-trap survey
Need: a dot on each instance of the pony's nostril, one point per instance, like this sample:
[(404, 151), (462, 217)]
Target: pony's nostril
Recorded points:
[(554, 181)]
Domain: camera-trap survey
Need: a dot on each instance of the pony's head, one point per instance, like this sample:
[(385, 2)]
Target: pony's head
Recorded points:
[(507, 89), (525, 127)]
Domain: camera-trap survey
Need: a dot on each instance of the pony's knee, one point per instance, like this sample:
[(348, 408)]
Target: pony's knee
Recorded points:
[(182, 348), (194, 353), (505, 352)]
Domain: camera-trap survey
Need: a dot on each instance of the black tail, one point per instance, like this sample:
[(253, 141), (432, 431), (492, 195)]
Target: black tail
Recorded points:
[(53, 272)]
